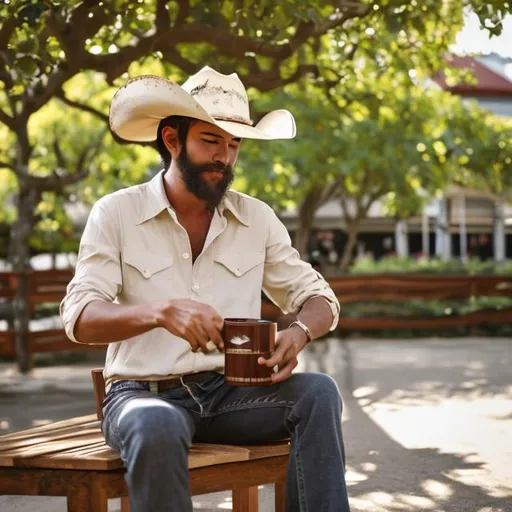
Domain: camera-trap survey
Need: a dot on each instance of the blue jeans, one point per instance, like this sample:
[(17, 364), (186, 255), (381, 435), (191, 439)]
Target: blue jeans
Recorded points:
[(153, 433)]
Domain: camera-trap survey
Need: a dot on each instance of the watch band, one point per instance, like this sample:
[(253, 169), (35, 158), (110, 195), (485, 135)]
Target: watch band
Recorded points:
[(304, 327)]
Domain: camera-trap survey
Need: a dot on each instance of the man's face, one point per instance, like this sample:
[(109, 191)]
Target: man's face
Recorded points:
[(206, 162)]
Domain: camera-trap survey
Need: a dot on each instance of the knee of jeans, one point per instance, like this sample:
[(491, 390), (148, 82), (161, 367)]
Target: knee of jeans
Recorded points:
[(324, 392), (154, 427)]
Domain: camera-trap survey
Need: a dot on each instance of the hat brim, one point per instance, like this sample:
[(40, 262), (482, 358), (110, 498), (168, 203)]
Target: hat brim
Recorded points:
[(138, 107)]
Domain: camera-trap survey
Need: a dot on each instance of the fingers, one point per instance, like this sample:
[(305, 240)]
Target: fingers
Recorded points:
[(278, 357), (214, 335), (197, 323), (218, 321), (285, 371)]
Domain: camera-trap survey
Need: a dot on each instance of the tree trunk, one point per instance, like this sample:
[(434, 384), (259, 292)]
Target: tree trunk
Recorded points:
[(352, 232), (307, 212), (19, 255), (302, 238)]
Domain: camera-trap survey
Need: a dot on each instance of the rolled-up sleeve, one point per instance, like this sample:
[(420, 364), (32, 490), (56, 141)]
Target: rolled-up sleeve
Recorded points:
[(289, 281), (98, 270)]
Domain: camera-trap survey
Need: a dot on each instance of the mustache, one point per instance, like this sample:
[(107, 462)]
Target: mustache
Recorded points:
[(213, 167)]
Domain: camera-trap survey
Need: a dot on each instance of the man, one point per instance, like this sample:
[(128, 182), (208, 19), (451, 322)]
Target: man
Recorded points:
[(162, 263)]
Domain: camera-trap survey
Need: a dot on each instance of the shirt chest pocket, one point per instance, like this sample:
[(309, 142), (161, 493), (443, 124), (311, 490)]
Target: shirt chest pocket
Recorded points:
[(145, 273), (240, 271)]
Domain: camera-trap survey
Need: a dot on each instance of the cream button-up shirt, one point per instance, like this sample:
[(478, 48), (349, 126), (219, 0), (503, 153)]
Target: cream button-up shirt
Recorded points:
[(134, 250)]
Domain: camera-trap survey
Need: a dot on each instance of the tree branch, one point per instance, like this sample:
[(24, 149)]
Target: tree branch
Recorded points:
[(235, 46), (344, 208), (358, 11), (162, 20), (90, 152), (61, 161), (330, 190), (71, 35), (184, 9), (36, 97), (6, 165), (7, 120), (272, 79), (81, 106), (171, 54), (58, 181), (7, 29), (100, 115)]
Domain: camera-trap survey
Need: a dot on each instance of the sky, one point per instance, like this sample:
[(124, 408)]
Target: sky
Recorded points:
[(473, 40)]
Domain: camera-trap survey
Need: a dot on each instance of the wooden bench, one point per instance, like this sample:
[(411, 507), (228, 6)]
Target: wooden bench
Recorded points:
[(70, 458)]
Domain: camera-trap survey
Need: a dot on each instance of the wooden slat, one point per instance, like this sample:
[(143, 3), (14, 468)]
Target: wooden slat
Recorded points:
[(13, 457), (498, 317), (59, 435), (94, 457), (7, 285), (202, 454), (7, 343), (51, 427), (56, 340), (261, 451)]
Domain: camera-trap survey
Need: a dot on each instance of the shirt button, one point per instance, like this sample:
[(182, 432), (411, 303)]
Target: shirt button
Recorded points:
[(195, 286), (145, 272), (185, 255), (238, 272)]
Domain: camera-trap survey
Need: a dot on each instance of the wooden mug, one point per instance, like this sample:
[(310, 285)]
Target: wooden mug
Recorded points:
[(246, 340)]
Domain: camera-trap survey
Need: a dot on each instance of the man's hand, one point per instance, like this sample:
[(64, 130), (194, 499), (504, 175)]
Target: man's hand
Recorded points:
[(195, 322), (289, 343)]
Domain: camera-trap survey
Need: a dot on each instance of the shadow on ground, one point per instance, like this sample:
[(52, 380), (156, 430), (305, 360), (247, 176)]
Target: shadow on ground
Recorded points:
[(385, 475)]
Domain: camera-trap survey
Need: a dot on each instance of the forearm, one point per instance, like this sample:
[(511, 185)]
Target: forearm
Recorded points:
[(317, 315), (105, 322)]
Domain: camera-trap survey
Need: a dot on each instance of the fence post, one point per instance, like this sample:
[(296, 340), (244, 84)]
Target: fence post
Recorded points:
[(22, 322)]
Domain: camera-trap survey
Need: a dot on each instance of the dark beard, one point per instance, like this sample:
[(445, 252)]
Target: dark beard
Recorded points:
[(192, 176)]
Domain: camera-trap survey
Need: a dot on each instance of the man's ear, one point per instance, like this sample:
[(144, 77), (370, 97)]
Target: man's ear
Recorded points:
[(171, 141)]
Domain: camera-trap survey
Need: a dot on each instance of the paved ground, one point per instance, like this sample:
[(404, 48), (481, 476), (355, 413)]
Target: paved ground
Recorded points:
[(428, 423)]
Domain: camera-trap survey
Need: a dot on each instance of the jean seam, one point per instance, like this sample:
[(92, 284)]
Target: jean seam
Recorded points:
[(245, 406), (301, 483), (196, 400)]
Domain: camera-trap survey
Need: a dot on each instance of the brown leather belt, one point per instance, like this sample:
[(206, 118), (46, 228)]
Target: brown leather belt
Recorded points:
[(176, 382)]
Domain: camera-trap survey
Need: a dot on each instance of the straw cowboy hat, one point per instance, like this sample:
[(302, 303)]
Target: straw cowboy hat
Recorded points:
[(138, 107)]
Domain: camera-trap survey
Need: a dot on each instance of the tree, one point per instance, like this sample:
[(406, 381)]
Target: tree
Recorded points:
[(45, 44)]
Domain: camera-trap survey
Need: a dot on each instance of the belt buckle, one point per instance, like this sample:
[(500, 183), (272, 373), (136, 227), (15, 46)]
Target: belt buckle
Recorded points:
[(153, 386)]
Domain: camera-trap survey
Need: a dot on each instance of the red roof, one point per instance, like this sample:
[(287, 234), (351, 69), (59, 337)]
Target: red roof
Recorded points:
[(489, 83)]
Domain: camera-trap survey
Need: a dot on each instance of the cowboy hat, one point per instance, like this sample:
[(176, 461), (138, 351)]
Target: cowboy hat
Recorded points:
[(138, 107)]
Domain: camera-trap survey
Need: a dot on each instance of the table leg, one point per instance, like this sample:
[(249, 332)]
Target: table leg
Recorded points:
[(280, 495), (245, 500)]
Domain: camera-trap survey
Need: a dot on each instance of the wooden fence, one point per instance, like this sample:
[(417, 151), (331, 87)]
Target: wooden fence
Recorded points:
[(49, 286), (45, 286), (402, 288)]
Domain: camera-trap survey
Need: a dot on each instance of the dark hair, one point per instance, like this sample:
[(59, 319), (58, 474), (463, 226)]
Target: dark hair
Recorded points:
[(180, 123)]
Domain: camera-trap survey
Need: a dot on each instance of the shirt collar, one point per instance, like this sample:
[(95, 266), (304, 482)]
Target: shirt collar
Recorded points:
[(156, 201), (232, 202)]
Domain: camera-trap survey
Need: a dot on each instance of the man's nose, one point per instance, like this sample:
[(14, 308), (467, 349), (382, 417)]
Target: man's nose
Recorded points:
[(222, 154)]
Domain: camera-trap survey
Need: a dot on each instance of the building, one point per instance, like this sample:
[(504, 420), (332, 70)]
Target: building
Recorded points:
[(464, 223)]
